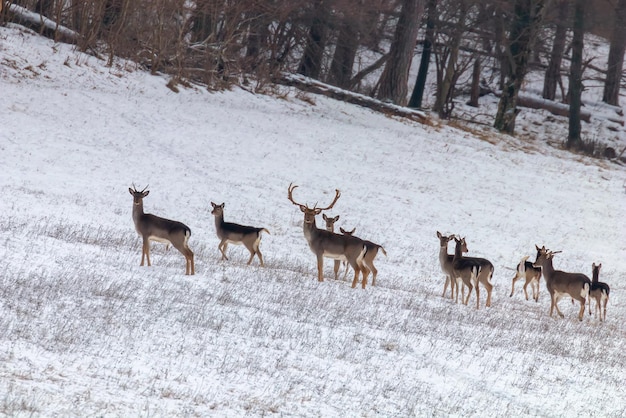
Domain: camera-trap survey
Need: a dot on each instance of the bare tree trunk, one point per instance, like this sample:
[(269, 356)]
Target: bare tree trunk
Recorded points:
[(444, 89), (501, 45), (553, 73), (475, 90), (311, 63), (616, 56), (525, 22), (393, 83), (257, 35), (346, 48), (420, 82), (575, 76)]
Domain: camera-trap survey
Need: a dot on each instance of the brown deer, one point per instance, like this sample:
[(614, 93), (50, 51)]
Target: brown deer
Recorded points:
[(445, 261), (560, 283), (324, 243), (330, 226), (154, 228), (598, 291), (531, 276), (370, 254), (231, 233), (472, 270)]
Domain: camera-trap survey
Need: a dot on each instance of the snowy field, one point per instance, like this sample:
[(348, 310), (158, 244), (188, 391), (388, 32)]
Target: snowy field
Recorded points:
[(86, 331)]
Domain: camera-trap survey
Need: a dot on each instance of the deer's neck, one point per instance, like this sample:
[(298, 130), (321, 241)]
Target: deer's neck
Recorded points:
[(219, 222), (457, 251), (594, 277), (137, 212), (548, 269), (310, 230), (443, 255)]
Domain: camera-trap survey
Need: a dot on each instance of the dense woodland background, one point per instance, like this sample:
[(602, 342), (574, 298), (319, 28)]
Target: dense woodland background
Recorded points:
[(477, 46)]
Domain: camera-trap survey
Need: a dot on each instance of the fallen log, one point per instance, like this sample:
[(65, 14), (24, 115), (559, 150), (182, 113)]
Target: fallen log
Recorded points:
[(317, 87), (555, 108), (42, 24)]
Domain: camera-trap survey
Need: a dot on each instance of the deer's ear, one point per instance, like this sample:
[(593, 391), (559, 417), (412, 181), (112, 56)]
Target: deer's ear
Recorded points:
[(303, 209), (324, 217), (130, 191), (336, 218), (146, 193), (213, 204)]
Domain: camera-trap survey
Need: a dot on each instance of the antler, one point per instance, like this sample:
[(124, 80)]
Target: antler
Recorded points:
[(337, 195), (135, 189), (292, 187)]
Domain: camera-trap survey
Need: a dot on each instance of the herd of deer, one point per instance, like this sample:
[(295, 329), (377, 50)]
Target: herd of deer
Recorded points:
[(460, 271), (470, 271)]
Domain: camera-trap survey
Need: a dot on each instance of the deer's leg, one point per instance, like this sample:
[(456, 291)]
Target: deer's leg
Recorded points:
[(445, 288), (146, 251), (453, 287), (190, 261), (581, 313), (488, 288), (513, 286), (525, 289), (477, 295), (258, 253), (468, 282), (252, 253), (374, 274), (606, 300), (336, 268), (222, 247), (356, 269), (345, 271), (365, 271), (320, 268), (556, 306)]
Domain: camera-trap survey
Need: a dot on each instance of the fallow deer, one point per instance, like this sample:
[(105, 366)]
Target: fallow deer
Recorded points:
[(598, 291), (560, 283), (324, 243), (466, 271), (154, 228), (531, 276), (330, 226), (232, 233), (370, 254), (445, 261)]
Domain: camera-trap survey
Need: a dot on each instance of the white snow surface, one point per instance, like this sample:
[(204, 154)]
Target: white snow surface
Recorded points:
[(86, 331)]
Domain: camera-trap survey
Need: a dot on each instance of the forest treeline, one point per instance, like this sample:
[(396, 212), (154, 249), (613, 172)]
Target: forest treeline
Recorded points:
[(366, 46)]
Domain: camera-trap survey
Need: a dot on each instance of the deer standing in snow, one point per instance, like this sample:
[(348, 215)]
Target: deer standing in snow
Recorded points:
[(324, 243), (232, 233), (560, 283), (154, 228), (598, 291), (531, 275)]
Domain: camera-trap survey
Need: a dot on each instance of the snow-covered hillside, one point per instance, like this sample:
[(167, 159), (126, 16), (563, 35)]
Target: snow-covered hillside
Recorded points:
[(84, 330)]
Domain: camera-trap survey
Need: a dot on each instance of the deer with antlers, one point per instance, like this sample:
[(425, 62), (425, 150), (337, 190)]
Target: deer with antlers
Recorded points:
[(154, 228), (560, 283), (324, 243)]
